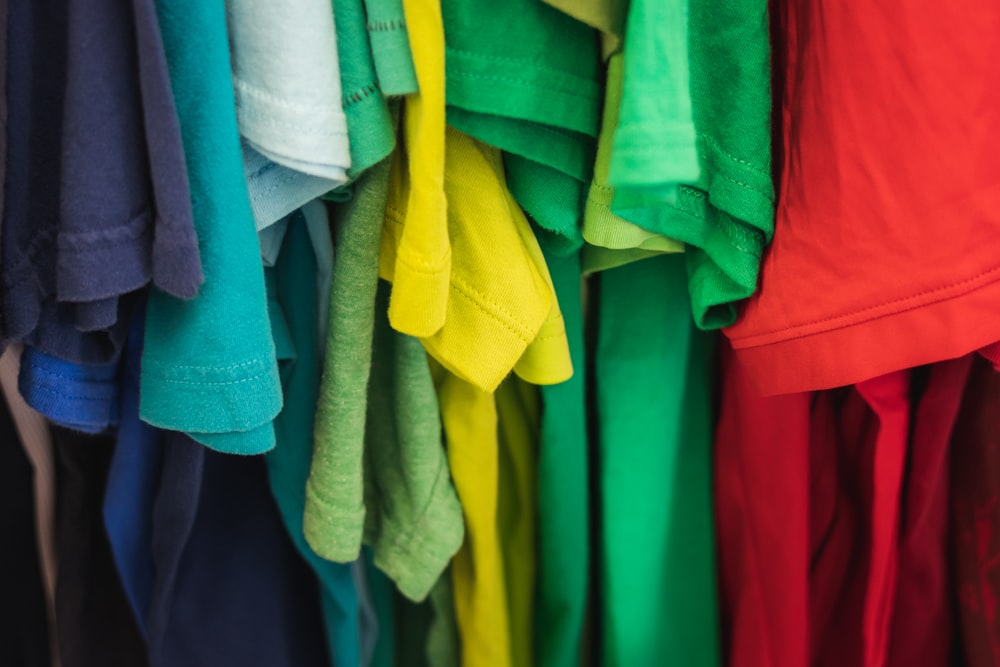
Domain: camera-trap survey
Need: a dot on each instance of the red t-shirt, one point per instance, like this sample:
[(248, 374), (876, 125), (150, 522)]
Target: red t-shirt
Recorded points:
[(886, 253)]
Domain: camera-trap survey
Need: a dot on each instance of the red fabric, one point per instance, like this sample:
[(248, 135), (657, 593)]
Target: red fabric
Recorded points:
[(975, 515), (831, 521), (922, 620), (761, 494), (884, 253)]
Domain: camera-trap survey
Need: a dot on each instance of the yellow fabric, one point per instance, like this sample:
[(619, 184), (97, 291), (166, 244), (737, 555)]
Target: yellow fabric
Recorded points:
[(422, 261), (469, 417), (519, 420), (500, 302)]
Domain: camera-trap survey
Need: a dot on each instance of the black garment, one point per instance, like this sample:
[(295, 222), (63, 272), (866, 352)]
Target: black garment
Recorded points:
[(94, 622), (24, 632)]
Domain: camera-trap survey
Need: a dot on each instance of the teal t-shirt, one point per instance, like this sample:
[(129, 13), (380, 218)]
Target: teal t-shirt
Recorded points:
[(208, 364), (653, 373)]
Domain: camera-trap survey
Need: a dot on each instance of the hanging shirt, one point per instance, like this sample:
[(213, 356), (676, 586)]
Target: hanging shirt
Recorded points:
[(286, 81), (920, 282), (390, 43), (654, 418), (294, 311), (209, 366), (525, 78), (724, 216)]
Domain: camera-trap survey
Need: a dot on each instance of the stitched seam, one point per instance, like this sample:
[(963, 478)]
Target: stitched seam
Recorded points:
[(902, 300), (59, 394), (218, 383), (279, 101), (489, 77), (485, 305), (424, 268), (305, 128), (92, 383), (359, 95), (245, 364), (525, 62), (746, 164), (386, 26)]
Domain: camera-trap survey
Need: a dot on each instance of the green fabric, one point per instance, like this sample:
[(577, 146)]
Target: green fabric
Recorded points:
[(601, 226), (384, 600), (379, 471), (294, 309), (653, 370), (335, 512), (654, 143), (369, 122), (391, 47), (563, 495), (414, 521), (208, 364), (524, 77), (608, 16), (726, 216), (427, 632)]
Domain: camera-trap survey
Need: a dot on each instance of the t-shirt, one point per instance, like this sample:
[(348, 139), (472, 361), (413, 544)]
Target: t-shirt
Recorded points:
[(286, 81), (368, 121), (81, 397), (518, 428), (390, 45), (920, 284), (499, 310), (725, 216), (294, 313), (469, 417), (524, 77), (96, 131), (209, 366), (614, 240), (379, 472), (654, 416), (563, 490)]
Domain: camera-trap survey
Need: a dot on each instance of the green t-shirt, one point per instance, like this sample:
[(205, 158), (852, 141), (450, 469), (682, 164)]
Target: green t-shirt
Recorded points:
[(379, 471), (653, 371), (563, 495), (208, 364), (390, 47), (369, 124), (613, 239), (525, 77), (725, 216)]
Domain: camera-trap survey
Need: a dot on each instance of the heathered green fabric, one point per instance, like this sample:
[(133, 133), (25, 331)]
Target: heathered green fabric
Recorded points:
[(726, 216), (391, 47), (524, 77), (369, 123), (414, 520), (335, 512), (653, 383), (379, 472), (208, 364), (563, 490)]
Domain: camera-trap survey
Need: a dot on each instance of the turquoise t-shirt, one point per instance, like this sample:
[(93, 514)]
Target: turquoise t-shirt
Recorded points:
[(208, 365)]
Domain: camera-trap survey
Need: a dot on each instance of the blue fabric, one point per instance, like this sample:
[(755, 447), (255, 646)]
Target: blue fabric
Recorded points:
[(83, 398), (201, 550)]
